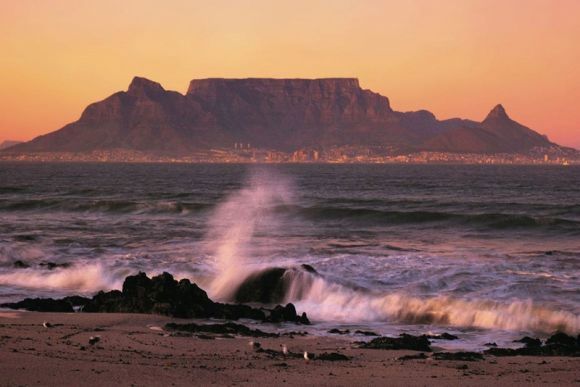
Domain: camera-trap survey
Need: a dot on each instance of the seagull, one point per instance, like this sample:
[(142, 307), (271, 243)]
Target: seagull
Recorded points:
[(94, 340), (254, 345), (284, 349), (46, 324), (308, 356)]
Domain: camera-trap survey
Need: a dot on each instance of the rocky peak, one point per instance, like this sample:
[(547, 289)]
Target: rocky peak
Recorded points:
[(497, 113), (144, 87)]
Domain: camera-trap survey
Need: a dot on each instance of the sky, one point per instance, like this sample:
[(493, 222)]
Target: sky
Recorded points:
[(456, 58)]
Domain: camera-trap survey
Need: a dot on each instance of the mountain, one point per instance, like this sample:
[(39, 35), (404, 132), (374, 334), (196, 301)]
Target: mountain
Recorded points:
[(8, 143), (279, 114)]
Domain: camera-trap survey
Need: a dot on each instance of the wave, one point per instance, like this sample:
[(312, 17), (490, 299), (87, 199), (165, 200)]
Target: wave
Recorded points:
[(88, 278), (327, 301), (386, 217), (103, 206)]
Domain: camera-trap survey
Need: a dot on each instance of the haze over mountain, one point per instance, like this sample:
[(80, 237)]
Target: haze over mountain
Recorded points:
[(8, 144), (279, 114)]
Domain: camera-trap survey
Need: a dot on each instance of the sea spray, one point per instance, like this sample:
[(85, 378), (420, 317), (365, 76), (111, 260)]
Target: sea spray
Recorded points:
[(88, 278), (234, 224)]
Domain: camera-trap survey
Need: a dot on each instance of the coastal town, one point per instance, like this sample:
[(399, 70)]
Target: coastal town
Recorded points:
[(348, 154)]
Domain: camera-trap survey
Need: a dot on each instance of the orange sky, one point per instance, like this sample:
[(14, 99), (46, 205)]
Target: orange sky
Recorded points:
[(455, 58)]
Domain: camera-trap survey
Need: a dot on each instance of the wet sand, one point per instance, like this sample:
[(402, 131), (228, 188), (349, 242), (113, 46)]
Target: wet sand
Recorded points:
[(134, 351)]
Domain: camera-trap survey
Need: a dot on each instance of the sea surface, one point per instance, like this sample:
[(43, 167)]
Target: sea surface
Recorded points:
[(489, 253)]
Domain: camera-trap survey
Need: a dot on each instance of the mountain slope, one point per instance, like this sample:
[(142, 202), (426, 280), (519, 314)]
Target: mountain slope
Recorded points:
[(282, 114)]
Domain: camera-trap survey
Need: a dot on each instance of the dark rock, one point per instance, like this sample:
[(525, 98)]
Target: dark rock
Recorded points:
[(54, 265), (271, 285), (336, 331), (227, 328), (164, 295), (267, 287), (20, 264), (490, 344), (530, 342), (25, 238), (309, 268), (77, 300), (332, 356), (366, 333), (404, 341), (41, 305), (420, 356), (559, 344), (562, 339), (442, 336), (460, 356)]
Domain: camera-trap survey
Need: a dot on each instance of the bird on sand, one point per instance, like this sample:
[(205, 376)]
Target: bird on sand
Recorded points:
[(46, 324), (254, 345), (308, 356), (94, 340), (284, 349)]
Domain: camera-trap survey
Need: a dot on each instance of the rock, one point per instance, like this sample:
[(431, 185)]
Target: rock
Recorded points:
[(336, 331), (54, 265), (490, 345), (559, 344), (267, 287), (563, 340), (366, 333), (460, 356), (530, 342), (25, 238), (162, 294), (420, 356), (227, 328), (404, 341), (19, 264), (332, 356), (41, 305), (442, 336)]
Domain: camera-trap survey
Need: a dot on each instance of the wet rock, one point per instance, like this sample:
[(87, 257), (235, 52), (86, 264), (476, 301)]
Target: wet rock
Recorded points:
[(459, 356), (336, 331), (442, 336), (25, 238), (222, 329), (41, 305), (530, 342), (19, 264), (164, 295), (267, 287), (404, 341), (271, 285), (54, 265), (366, 333), (559, 344), (309, 268), (420, 356), (332, 356)]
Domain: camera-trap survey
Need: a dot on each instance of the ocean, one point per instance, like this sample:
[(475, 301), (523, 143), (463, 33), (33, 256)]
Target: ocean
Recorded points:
[(489, 253)]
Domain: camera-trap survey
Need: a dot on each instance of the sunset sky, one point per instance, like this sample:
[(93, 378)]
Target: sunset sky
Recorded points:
[(454, 58)]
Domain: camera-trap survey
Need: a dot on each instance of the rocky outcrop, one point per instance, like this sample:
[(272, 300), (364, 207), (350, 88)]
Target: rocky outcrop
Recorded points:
[(162, 295), (280, 114)]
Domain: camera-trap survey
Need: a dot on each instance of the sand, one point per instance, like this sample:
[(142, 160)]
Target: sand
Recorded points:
[(134, 350)]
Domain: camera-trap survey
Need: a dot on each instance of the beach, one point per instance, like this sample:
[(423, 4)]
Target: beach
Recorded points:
[(137, 350)]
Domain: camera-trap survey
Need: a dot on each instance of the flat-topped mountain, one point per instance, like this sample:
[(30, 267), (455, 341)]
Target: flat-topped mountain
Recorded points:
[(278, 114)]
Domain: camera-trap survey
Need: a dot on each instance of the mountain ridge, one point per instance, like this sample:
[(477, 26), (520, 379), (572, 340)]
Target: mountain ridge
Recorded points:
[(273, 113)]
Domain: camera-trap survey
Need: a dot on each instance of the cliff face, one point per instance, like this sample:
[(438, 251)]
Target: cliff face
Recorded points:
[(283, 114)]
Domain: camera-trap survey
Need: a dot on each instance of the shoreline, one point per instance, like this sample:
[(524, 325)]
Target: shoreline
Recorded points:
[(136, 349)]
